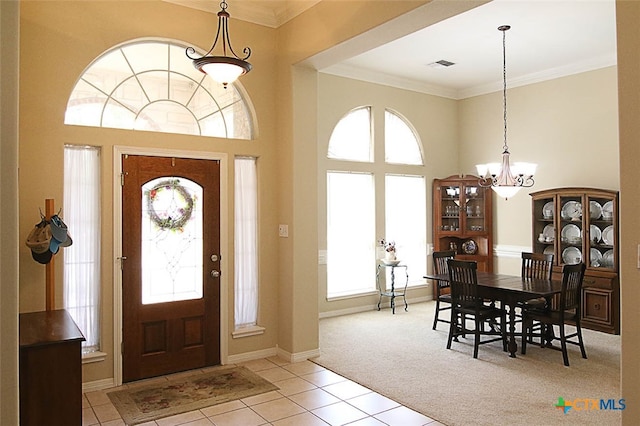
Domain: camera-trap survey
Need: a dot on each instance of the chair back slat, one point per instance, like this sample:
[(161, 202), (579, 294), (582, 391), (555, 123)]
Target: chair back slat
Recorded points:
[(440, 266), (572, 278), (537, 265), (440, 259), (464, 282)]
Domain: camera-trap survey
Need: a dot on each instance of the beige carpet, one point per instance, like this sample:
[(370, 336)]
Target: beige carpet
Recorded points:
[(401, 357), (142, 403)]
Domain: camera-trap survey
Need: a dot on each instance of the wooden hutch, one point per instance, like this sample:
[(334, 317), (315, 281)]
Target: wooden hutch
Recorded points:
[(463, 219), (581, 225)]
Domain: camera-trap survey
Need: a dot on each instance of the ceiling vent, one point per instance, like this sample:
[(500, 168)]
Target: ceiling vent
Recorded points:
[(441, 64)]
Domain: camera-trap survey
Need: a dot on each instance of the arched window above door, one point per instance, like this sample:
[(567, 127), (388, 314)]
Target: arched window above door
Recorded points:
[(151, 85)]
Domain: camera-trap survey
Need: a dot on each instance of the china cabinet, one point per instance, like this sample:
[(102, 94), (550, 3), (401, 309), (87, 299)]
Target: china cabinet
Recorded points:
[(581, 225), (462, 219)]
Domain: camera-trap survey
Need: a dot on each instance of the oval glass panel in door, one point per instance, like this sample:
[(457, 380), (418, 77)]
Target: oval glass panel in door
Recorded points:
[(171, 240)]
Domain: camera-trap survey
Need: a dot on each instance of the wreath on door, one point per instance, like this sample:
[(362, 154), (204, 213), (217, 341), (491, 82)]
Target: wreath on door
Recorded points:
[(175, 218)]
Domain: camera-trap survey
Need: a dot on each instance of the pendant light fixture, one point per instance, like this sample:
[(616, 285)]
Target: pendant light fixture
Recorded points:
[(504, 179), (223, 69)]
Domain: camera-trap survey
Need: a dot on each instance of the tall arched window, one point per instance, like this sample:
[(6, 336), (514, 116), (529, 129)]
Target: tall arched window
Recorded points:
[(151, 85), (359, 183)]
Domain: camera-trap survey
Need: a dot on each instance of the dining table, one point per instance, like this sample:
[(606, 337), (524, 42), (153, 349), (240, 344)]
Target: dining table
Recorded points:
[(510, 290)]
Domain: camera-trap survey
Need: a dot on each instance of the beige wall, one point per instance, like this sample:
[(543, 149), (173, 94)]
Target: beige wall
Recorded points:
[(568, 126), (435, 120), (628, 16), (67, 36), (320, 28), (9, 73)]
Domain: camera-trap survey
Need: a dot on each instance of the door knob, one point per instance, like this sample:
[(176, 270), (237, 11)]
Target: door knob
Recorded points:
[(215, 274)]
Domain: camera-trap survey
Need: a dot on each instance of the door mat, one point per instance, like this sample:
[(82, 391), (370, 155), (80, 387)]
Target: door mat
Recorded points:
[(157, 400)]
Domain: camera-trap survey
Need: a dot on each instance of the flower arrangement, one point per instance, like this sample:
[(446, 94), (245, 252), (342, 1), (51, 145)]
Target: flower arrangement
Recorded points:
[(389, 249), (389, 246)]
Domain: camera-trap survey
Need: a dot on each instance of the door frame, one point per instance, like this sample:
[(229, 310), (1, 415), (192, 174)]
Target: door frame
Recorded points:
[(118, 151)]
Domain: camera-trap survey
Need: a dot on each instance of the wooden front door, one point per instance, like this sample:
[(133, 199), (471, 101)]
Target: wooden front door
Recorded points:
[(171, 263)]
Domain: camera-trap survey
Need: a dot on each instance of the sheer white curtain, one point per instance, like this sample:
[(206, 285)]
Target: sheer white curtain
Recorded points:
[(81, 213), (246, 242), (406, 222), (351, 238)]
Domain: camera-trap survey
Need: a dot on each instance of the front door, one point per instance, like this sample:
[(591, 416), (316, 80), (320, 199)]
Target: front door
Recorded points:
[(170, 266)]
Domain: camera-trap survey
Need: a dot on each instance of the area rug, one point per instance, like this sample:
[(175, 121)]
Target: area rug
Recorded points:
[(141, 404)]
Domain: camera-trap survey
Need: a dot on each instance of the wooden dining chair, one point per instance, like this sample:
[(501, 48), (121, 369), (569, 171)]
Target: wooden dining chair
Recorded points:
[(536, 266), (465, 302), (443, 294), (568, 310)]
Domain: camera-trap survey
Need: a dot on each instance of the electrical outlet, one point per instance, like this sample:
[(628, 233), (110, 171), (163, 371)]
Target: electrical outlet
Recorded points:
[(283, 231)]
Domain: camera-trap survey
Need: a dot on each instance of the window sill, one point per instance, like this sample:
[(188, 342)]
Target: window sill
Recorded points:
[(253, 330), (93, 357)]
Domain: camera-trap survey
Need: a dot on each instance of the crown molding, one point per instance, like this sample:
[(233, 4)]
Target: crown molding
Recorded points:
[(357, 73), (269, 13)]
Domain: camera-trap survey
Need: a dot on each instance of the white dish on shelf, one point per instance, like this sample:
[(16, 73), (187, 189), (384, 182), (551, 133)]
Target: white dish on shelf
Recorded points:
[(595, 234), (607, 210), (571, 233), (547, 210), (607, 235), (571, 256), (595, 210), (607, 259), (571, 210), (549, 232), (595, 258), (549, 250), (390, 262)]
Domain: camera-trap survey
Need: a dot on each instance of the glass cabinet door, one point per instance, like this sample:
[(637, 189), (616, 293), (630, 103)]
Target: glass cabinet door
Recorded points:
[(544, 216), (571, 230), (474, 209), (450, 208), (601, 232)]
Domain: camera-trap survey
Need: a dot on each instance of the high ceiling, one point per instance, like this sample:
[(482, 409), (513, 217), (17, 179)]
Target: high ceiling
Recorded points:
[(548, 39)]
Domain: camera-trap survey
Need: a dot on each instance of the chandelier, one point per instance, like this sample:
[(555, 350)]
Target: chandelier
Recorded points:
[(223, 69), (504, 179)]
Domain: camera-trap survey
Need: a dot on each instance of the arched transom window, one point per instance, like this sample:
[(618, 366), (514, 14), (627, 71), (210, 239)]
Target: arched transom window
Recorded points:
[(152, 85)]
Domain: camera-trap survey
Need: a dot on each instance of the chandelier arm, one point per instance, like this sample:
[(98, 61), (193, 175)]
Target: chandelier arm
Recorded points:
[(227, 42)]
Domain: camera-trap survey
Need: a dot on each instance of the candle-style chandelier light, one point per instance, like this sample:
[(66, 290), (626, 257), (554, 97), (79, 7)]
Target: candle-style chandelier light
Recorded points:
[(504, 179)]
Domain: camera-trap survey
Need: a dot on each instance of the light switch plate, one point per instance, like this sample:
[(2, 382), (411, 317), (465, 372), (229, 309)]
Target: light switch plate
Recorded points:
[(283, 231)]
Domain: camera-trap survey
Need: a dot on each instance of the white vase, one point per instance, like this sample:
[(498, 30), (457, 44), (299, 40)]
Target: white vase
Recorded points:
[(390, 255)]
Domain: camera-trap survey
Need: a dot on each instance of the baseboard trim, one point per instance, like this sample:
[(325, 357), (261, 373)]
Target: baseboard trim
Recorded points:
[(365, 308), (98, 385), (250, 356)]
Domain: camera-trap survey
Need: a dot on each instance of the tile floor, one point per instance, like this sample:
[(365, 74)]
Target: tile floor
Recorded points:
[(309, 395)]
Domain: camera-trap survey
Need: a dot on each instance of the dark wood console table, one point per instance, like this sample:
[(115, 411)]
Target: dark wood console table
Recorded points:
[(50, 369)]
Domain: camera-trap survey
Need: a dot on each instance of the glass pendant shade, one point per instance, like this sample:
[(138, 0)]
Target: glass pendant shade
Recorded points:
[(222, 71), (223, 68)]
